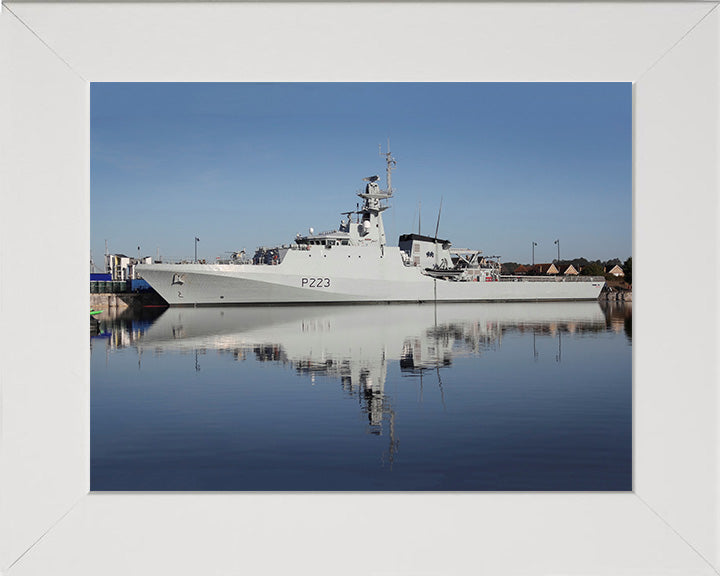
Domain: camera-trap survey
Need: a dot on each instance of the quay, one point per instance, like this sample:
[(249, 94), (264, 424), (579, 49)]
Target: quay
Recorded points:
[(123, 300), (616, 295), (121, 294)]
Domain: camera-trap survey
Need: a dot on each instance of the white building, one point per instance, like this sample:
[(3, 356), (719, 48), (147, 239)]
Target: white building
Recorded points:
[(123, 267)]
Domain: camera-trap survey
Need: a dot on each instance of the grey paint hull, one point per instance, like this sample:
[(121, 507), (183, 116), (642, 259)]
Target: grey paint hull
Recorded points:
[(355, 275)]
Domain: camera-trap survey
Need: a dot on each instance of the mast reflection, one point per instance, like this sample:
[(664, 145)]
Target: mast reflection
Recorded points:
[(354, 345)]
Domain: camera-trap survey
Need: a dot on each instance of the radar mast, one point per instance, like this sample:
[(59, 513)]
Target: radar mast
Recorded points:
[(390, 166)]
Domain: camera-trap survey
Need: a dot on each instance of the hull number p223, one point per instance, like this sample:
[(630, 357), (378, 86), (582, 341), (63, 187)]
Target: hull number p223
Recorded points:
[(315, 282)]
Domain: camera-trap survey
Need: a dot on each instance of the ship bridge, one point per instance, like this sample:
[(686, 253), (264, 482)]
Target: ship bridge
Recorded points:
[(362, 227), (425, 251)]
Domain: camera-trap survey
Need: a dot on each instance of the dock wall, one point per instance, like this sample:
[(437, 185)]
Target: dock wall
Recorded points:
[(120, 301), (620, 295)]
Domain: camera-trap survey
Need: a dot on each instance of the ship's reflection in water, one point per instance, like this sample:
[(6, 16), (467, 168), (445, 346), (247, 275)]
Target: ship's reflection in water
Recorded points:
[(457, 397)]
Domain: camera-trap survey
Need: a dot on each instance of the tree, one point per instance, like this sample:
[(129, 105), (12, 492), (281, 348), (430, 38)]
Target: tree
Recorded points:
[(509, 267), (627, 270), (593, 269)]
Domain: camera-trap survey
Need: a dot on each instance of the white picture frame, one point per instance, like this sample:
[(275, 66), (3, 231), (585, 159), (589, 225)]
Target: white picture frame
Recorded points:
[(50, 523)]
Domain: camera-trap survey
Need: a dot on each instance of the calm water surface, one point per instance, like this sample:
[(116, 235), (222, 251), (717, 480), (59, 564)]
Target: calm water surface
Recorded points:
[(462, 397)]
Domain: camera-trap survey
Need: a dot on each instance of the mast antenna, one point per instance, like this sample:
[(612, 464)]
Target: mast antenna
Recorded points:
[(391, 163), (437, 227)]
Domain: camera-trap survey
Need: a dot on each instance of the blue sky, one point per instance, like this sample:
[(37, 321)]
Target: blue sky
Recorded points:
[(242, 165)]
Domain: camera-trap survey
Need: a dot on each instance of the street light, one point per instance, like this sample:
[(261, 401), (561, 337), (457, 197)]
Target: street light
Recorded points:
[(558, 245), (196, 241), (533, 252)]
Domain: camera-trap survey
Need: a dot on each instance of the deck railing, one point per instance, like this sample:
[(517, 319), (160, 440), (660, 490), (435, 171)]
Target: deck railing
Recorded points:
[(552, 279)]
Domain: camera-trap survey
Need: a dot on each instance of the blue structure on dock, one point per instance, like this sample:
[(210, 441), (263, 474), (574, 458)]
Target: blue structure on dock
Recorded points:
[(105, 285)]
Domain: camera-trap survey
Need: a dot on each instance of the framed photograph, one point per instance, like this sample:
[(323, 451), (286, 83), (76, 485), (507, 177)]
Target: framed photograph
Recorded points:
[(332, 338), (50, 53)]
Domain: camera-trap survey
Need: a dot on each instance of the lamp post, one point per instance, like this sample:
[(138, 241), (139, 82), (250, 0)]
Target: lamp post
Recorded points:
[(533, 252), (196, 241), (558, 245)]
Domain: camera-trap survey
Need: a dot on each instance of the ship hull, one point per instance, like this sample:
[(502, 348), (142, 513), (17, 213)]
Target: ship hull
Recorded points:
[(341, 277)]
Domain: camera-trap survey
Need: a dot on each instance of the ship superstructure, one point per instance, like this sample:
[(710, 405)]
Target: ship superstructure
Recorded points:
[(354, 264)]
